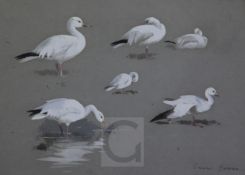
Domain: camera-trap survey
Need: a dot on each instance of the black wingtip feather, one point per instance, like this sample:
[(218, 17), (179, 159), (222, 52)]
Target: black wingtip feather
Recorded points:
[(168, 41), (25, 55), (34, 112), (162, 116), (119, 42)]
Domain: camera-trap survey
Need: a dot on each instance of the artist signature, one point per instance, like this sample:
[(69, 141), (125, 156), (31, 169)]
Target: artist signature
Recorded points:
[(218, 168)]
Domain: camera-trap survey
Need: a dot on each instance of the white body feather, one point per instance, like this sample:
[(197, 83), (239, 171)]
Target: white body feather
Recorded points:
[(146, 34), (61, 48), (122, 81), (192, 41), (184, 104), (65, 110)]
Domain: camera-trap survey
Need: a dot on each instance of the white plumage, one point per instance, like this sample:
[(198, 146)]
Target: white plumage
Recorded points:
[(122, 81), (191, 41), (59, 48), (151, 32), (65, 111), (183, 105)]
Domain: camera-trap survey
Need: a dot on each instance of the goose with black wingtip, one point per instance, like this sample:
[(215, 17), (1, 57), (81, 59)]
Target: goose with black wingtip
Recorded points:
[(59, 48)]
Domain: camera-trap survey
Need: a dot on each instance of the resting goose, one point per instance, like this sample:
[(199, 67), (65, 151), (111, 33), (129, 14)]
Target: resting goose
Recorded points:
[(191, 41)]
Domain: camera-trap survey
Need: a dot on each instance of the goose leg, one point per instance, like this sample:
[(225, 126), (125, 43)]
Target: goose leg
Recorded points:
[(59, 68), (61, 130), (67, 130), (146, 50), (193, 120)]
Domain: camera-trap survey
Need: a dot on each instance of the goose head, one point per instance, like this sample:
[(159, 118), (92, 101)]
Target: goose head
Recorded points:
[(198, 31), (76, 22), (152, 21), (99, 116), (135, 76), (211, 92)]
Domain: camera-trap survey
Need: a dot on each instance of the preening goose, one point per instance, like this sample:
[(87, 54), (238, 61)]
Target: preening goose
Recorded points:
[(151, 32), (122, 81)]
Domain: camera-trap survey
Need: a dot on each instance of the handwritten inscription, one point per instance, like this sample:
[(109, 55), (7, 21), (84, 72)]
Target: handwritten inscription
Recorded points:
[(219, 168)]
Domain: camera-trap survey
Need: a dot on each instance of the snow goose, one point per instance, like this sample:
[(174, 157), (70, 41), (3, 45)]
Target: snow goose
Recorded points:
[(122, 81), (59, 48), (151, 32), (191, 41), (64, 111), (187, 104)]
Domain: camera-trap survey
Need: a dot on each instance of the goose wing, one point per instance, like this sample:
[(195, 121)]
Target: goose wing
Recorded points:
[(139, 34), (60, 107), (55, 45), (120, 79), (182, 109), (188, 41)]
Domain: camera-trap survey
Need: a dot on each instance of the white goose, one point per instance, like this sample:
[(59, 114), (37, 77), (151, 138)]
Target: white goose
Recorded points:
[(59, 48), (64, 111), (191, 41), (151, 32), (122, 81), (185, 104)]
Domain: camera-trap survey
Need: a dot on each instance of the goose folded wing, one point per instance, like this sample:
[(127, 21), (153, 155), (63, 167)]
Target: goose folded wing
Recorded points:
[(182, 109), (187, 39), (138, 36), (56, 45), (120, 79), (60, 107)]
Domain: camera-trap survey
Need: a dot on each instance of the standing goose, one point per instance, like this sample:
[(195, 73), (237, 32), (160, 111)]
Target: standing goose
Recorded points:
[(59, 48), (191, 41), (187, 104), (122, 81), (64, 111), (151, 32)]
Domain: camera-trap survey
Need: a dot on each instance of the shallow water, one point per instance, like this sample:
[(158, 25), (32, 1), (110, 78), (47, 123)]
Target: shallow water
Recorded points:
[(68, 152)]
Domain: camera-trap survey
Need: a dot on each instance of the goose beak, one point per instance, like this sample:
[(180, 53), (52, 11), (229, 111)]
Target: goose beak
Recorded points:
[(84, 25), (217, 95)]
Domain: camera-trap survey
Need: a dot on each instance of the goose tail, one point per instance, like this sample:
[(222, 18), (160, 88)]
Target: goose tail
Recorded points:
[(25, 57), (36, 115), (168, 41), (119, 43), (109, 88), (163, 115)]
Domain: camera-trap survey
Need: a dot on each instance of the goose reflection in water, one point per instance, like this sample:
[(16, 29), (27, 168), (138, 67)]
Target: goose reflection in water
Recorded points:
[(65, 152), (86, 138)]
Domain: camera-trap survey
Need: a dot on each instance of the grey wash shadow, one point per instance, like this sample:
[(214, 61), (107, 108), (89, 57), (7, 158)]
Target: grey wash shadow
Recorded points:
[(127, 92), (49, 72), (142, 56), (74, 150), (69, 152), (82, 128), (171, 46), (198, 123)]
